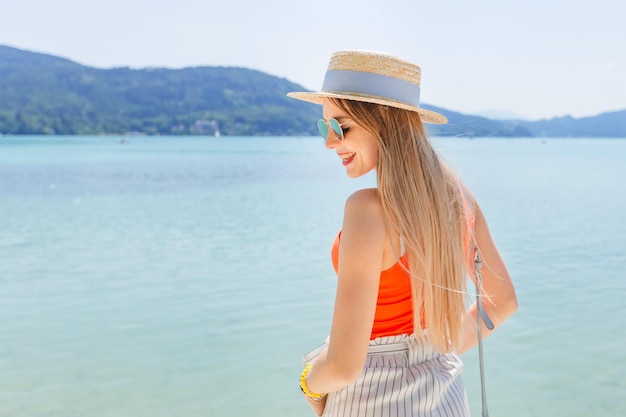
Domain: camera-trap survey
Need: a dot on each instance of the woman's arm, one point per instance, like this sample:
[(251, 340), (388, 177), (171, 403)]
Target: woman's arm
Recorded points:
[(360, 261), (499, 299)]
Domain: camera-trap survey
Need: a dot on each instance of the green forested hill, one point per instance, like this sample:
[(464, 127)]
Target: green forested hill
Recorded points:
[(44, 94)]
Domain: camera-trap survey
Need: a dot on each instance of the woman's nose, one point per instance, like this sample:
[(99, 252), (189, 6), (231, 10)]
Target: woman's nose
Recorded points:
[(331, 140)]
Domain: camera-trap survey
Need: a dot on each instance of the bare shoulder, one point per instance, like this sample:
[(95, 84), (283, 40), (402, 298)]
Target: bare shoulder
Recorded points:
[(363, 213), (364, 196), (363, 231), (469, 198), (474, 207), (480, 222), (479, 218), (365, 202)]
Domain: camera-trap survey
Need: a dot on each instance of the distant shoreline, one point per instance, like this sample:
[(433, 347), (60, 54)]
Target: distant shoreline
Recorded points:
[(43, 94)]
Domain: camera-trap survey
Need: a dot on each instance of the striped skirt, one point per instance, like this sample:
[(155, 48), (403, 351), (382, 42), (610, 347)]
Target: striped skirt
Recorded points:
[(403, 377)]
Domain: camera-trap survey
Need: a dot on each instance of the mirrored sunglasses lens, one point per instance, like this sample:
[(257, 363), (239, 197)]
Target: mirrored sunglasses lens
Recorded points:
[(323, 128), (334, 124)]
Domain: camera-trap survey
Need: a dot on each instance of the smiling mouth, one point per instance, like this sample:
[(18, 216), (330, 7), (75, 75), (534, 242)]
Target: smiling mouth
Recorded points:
[(347, 158)]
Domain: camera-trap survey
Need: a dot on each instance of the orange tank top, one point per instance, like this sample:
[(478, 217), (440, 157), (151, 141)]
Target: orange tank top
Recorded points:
[(394, 306)]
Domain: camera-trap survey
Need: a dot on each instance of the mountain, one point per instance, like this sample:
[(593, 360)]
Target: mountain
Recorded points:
[(465, 125), (611, 124), (500, 115), (45, 94), (605, 125)]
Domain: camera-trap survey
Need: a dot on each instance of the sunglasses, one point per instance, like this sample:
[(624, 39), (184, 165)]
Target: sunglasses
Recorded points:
[(326, 126)]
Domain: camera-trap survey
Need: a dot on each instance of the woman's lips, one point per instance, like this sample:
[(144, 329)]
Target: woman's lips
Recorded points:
[(348, 157)]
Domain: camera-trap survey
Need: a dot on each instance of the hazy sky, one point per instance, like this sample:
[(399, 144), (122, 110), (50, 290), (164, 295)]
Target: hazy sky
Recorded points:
[(534, 58)]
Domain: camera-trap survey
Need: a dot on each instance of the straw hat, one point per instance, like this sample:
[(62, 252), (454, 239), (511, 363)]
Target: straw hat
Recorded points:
[(372, 77)]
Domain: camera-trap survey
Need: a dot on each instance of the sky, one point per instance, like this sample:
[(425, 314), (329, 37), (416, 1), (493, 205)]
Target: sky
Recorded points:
[(532, 59)]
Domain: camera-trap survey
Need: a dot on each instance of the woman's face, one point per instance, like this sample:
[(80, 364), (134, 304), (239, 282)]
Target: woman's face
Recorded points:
[(358, 151)]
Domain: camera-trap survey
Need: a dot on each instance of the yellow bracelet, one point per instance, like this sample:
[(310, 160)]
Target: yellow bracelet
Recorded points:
[(305, 389)]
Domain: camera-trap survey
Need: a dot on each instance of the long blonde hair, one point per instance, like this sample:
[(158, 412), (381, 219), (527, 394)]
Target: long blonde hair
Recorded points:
[(423, 202)]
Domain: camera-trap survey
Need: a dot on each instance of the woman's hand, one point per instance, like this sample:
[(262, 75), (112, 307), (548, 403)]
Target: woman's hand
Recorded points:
[(317, 406)]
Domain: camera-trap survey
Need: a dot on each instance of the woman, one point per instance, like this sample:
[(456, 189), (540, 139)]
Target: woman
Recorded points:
[(402, 256)]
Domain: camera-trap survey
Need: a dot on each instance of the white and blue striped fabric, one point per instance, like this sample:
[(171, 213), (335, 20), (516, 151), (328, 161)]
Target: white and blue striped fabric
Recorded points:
[(403, 377)]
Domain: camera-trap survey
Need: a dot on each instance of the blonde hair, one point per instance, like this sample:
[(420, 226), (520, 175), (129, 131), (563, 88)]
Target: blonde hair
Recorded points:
[(423, 202)]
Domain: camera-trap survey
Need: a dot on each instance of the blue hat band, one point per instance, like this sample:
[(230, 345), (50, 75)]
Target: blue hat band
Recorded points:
[(369, 84)]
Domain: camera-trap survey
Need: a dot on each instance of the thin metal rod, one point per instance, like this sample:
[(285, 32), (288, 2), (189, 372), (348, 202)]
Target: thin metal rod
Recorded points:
[(481, 314)]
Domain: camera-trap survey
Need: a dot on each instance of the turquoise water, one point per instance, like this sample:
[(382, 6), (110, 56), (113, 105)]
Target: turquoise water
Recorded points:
[(187, 276)]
